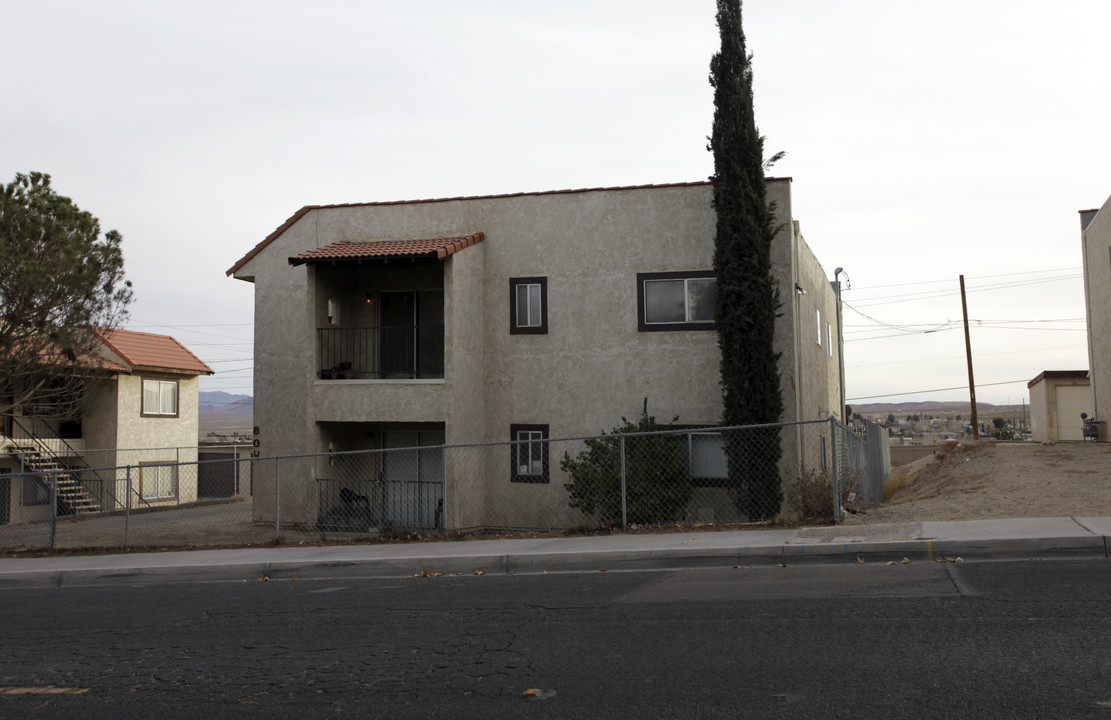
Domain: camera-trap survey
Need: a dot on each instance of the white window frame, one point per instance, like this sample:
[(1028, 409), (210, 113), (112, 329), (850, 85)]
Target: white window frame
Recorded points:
[(529, 453), (164, 480), (829, 339), (536, 309), (160, 397), (533, 305)]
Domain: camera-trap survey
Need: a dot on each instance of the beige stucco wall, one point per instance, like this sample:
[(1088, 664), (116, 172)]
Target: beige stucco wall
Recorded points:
[(1045, 415), (1040, 423), (1096, 246), (591, 368), (142, 440)]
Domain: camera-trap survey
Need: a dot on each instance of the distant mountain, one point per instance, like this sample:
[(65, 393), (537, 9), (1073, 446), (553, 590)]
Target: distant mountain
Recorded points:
[(223, 413)]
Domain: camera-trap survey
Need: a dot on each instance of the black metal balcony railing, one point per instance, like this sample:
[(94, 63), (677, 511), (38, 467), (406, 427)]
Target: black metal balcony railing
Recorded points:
[(415, 351)]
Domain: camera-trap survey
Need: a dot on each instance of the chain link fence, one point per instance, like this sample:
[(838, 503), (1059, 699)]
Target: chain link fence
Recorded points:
[(796, 472)]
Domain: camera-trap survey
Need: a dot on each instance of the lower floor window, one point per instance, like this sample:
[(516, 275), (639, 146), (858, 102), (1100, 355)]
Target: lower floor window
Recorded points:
[(36, 490), (157, 481), (529, 453)]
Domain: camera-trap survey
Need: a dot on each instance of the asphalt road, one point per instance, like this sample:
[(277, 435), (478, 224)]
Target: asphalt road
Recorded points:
[(985, 640)]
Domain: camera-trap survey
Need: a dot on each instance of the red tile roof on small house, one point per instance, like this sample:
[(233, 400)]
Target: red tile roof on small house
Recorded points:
[(438, 248), (148, 351)]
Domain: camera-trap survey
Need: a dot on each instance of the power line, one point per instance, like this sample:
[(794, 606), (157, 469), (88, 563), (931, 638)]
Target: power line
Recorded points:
[(970, 277), (923, 392)]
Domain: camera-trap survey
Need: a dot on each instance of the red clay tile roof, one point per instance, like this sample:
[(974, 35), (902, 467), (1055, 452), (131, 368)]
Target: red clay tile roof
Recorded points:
[(147, 351), (303, 211), (438, 248)]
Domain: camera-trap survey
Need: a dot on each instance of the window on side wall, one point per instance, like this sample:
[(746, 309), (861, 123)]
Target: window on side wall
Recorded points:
[(159, 398), (35, 490), (818, 315), (528, 301), (676, 300), (529, 453), (829, 339), (157, 482)]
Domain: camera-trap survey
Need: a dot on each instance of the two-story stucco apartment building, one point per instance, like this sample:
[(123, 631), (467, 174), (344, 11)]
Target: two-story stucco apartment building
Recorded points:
[(143, 412), (511, 317)]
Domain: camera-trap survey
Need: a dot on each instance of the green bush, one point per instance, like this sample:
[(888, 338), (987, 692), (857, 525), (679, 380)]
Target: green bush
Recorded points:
[(657, 482)]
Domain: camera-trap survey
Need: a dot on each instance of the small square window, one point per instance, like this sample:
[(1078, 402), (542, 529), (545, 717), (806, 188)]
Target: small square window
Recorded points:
[(676, 300), (528, 301), (157, 481), (159, 397), (529, 453)]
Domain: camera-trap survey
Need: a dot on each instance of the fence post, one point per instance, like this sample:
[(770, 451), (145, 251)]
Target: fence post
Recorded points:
[(54, 510), (235, 468), (836, 480), (444, 489), (624, 496), (127, 508), (277, 500)]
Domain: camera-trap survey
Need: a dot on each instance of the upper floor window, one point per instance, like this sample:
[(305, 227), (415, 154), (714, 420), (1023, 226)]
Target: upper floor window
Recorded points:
[(676, 300), (818, 337), (159, 397), (529, 452), (528, 299), (829, 340)]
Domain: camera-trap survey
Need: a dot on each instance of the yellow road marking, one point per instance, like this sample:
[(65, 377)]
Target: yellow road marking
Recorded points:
[(48, 690)]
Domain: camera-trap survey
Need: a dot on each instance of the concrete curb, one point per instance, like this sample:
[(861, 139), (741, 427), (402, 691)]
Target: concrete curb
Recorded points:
[(534, 562)]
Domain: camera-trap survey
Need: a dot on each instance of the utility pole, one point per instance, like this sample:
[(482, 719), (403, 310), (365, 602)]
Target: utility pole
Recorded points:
[(968, 353), (840, 343)]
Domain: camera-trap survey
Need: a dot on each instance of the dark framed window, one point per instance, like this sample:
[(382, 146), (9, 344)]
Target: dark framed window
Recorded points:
[(157, 481), (159, 398), (529, 453), (676, 300), (528, 302)]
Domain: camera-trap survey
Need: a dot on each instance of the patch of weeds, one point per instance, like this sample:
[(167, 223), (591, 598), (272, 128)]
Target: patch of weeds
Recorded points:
[(894, 484), (810, 495)]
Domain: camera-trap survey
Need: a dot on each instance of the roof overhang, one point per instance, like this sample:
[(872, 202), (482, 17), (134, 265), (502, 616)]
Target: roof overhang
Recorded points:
[(347, 251)]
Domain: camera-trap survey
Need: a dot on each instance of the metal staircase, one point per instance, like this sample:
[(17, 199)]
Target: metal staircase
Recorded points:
[(38, 457), (73, 496)]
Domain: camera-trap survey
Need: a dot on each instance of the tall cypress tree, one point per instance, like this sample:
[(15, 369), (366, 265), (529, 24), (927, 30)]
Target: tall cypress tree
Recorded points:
[(747, 294)]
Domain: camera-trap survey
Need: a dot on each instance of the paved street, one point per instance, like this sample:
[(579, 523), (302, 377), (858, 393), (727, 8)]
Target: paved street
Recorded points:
[(988, 639)]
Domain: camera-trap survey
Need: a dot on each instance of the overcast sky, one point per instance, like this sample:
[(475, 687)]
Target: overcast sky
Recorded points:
[(925, 140)]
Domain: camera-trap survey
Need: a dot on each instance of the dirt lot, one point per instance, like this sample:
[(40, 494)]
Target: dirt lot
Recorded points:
[(1005, 480)]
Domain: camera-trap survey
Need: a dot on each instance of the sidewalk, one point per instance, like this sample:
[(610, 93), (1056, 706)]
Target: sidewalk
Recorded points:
[(920, 542)]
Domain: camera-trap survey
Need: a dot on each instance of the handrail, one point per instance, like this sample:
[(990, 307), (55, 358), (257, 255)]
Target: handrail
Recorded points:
[(77, 473)]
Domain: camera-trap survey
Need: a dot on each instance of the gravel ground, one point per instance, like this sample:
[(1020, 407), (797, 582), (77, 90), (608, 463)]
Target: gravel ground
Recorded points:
[(1000, 480)]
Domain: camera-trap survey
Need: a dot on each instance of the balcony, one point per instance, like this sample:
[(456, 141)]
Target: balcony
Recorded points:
[(379, 353)]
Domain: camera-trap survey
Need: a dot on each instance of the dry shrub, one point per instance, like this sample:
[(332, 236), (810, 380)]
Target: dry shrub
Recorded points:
[(811, 495), (894, 484)]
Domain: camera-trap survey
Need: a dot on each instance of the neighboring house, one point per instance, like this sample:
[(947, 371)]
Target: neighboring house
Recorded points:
[(142, 414), (512, 317), (1095, 238), (1057, 399)]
